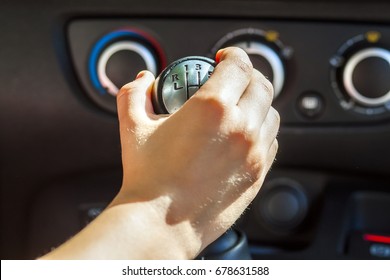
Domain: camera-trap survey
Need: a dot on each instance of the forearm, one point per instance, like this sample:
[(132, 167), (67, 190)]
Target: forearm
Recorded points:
[(132, 231)]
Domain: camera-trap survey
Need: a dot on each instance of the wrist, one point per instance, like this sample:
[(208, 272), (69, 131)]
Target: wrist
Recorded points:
[(150, 230), (136, 230)]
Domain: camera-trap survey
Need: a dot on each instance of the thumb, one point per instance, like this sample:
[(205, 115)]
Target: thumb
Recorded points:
[(134, 100)]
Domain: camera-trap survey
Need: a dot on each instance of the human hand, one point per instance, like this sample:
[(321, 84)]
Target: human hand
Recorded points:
[(200, 167)]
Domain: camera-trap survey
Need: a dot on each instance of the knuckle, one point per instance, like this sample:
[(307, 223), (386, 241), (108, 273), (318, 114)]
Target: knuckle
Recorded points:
[(207, 107), (275, 146), (129, 87), (242, 141), (258, 75), (268, 87), (276, 115), (126, 89), (254, 168), (250, 128), (266, 83), (244, 66), (240, 59)]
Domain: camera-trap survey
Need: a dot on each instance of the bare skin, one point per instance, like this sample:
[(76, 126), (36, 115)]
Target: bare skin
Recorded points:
[(187, 176)]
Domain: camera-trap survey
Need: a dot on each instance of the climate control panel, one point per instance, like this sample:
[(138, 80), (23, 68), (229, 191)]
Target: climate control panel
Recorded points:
[(322, 73)]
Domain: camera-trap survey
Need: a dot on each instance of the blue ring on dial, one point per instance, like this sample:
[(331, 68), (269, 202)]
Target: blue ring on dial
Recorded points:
[(113, 36)]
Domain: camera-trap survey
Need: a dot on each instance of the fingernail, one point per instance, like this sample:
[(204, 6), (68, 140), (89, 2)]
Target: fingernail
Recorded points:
[(218, 55), (140, 75)]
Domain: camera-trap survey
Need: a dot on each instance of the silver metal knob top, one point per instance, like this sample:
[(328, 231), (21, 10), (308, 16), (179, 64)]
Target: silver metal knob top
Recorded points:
[(179, 81)]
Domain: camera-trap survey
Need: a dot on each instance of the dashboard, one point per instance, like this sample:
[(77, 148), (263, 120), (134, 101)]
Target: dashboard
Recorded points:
[(328, 193)]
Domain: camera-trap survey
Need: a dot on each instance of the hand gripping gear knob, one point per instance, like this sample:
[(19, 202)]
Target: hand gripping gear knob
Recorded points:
[(179, 81)]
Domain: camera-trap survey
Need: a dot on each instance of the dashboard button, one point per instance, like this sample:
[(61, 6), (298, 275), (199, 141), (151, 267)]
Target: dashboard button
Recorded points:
[(311, 105), (380, 251)]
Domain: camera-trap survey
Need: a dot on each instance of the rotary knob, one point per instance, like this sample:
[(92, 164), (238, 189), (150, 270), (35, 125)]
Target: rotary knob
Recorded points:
[(360, 74), (283, 205), (179, 81), (366, 76), (117, 57), (265, 50)]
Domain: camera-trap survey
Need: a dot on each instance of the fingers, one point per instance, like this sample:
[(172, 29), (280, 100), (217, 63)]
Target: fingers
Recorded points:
[(270, 145), (230, 78), (266, 144), (257, 98), (271, 155), (134, 99), (269, 129), (255, 104)]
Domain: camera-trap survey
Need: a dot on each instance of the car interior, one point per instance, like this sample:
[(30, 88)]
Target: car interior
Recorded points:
[(327, 195)]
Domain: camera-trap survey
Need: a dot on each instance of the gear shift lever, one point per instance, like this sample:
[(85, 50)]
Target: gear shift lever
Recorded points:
[(232, 245), (172, 88)]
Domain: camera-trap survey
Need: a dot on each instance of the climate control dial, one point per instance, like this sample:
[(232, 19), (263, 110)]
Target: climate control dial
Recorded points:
[(117, 57), (366, 76), (361, 74)]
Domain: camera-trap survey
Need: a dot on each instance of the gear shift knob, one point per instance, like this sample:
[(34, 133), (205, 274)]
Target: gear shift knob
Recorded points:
[(179, 81)]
